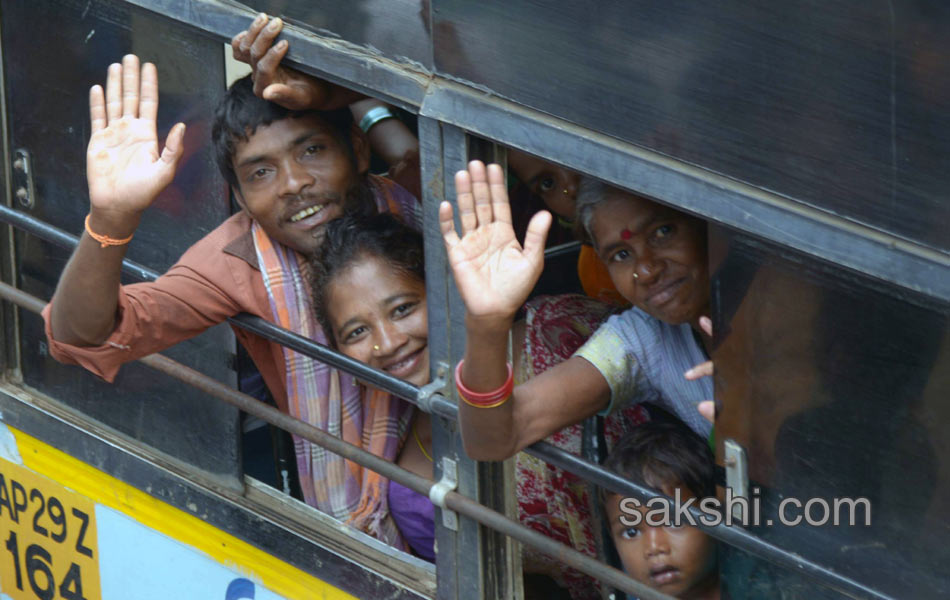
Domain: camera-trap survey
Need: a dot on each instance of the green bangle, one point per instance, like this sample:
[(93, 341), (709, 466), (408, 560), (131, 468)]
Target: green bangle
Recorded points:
[(374, 116)]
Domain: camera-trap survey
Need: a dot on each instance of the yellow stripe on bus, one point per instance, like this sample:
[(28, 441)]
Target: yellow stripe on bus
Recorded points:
[(274, 574)]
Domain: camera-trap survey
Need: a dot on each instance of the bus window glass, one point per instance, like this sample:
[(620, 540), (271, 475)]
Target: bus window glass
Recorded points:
[(836, 385), (48, 104), (848, 119)]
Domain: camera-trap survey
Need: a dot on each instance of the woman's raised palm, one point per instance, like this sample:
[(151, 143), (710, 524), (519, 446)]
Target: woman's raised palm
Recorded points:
[(493, 273)]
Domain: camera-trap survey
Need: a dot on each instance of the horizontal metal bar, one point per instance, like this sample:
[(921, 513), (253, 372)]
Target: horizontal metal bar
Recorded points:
[(443, 407), (296, 534), (64, 239), (561, 249), (388, 469), (252, 323), (21, 298), (737, 205), (308, 347)]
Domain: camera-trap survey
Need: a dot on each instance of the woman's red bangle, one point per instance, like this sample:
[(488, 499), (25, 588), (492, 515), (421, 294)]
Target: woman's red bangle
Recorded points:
[(488, 399)]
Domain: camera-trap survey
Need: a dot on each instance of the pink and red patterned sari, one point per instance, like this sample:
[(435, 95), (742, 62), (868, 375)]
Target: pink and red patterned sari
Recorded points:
[(551, 501)]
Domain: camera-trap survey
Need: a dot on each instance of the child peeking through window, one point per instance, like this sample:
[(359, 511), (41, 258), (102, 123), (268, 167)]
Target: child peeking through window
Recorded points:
[(680, 561)]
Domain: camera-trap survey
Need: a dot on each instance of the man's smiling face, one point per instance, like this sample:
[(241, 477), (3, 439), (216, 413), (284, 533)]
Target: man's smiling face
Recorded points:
[(294, 176)]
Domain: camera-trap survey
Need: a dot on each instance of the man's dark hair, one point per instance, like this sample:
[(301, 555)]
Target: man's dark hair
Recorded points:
[(664, 453), (352, 237), (240, 113)]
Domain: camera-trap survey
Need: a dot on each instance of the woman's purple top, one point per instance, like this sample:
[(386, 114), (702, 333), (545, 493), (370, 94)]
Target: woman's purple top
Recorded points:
[(415, 517)]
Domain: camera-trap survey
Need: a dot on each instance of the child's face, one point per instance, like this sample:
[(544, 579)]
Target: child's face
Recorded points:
[(679, 561), (656, 256), (555, 185)]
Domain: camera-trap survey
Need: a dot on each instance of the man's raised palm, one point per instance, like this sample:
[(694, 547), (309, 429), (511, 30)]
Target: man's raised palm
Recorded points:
[(124, 168)]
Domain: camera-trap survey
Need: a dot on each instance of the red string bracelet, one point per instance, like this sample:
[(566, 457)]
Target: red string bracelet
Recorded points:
[(105, 240), (484, 400)]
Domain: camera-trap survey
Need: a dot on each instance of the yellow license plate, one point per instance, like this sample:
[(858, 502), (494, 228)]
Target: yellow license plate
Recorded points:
[(48, 540)]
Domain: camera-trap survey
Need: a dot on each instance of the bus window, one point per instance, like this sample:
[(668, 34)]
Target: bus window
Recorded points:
[(49, 116), (198, 436), (835, 385)]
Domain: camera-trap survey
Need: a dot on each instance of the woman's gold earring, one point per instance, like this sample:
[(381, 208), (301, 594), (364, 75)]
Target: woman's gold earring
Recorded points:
[(636, 276), (376, 348)]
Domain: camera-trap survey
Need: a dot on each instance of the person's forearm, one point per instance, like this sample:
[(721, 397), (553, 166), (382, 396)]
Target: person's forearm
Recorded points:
[(487, 433), (87, 296), (392, 141), (389, 138)]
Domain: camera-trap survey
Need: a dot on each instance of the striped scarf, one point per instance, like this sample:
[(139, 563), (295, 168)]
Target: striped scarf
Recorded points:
[(332, 400)]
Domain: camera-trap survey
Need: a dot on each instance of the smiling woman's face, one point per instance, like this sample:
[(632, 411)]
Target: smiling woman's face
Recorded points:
[(377, 315), (656, 256)]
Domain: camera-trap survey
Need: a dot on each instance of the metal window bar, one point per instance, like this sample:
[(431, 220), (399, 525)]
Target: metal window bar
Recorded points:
[(439, 405), (476, 562), (452, 501)]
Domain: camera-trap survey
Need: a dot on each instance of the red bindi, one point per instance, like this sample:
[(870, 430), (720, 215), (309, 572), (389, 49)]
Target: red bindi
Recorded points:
[(626, 234)]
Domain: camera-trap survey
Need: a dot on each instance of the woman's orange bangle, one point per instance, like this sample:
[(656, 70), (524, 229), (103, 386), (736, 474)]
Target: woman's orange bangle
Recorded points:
[(487, 399), (105, 240)]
